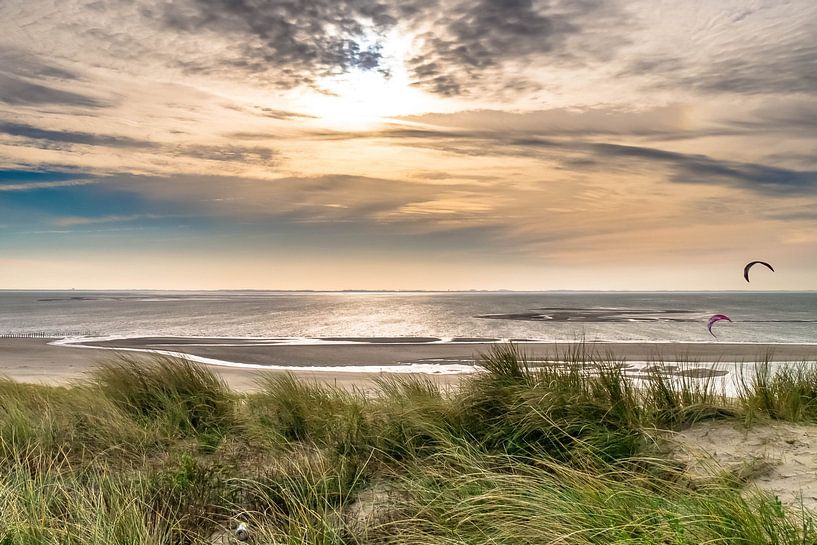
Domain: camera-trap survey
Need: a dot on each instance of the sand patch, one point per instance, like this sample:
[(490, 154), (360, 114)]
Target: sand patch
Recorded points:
[(777, 457)]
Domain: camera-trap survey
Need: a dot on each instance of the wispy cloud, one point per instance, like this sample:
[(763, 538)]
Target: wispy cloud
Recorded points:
[(32, 186), (671, 120), (586, 155), (20, 92), (253, 154), (72, 221), (766, 49), (72, 137)]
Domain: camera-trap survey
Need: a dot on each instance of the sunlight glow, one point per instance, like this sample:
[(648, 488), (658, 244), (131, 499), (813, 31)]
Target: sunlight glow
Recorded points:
[(361, 99)]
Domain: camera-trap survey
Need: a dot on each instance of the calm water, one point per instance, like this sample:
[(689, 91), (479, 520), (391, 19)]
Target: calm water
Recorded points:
[(759, 317)]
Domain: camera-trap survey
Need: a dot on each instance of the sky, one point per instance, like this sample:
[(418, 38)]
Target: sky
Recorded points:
[(407, 144)]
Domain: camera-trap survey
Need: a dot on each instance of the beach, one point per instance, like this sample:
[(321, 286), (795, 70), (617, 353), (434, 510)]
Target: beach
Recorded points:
[(347, 363), (37, 361), (785, 450)]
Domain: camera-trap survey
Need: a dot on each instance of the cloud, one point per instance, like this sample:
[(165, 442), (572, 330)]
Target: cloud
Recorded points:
[(792, 117), (354, 211), (294, 41), (23, 179), (31, 186), (475, 38), (328, 198), (21, 63), (225, 153), (662, 121), (770, 50), (73, 221), (27, 80), (284, 114), (72, 137), (478, 48), (247, 154), (701, 169), (582, 155), (783, 68), (20, 92), (693, 168), (289, 44), (809, 214)]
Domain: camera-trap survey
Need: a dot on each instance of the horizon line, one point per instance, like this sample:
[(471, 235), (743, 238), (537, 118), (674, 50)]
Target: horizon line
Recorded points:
[(473, 290)]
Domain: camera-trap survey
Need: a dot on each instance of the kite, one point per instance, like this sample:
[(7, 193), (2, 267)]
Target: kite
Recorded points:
[(752, 264), (714, 319)]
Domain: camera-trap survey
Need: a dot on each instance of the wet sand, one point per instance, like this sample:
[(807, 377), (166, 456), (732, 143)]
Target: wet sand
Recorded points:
[(34, 360), (397, 351)]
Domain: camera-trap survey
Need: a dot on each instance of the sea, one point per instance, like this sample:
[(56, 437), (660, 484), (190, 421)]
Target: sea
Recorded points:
[(299, 317)]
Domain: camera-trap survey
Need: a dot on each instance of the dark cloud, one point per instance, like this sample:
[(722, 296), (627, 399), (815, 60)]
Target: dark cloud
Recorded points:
[(474, 38), (284, 114), (246, 154), (577, 154), (691, 168), (52, 139), (72, 137), (291, 43), (21, 63), (27, 80), (21, 92), (294, 41), (272, 113), (701, 169)]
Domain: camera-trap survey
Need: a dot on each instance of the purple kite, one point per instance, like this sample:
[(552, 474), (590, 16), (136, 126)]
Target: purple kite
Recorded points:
[(714, 319), (752, 264)]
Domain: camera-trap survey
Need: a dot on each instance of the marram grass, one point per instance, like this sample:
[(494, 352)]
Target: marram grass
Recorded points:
[(160, 452)]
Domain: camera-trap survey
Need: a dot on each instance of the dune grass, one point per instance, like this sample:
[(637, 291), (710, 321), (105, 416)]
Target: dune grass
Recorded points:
[(186, 397), (465, 496), (161, 452), (786, 393)]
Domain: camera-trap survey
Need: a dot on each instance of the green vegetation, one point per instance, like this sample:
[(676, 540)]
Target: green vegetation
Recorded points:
[(789, 393), (161, 452), (178, 395)]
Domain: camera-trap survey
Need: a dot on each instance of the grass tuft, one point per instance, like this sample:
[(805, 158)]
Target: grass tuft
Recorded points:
[(290, 410), (782, 391), (677, 398), (186, 396)]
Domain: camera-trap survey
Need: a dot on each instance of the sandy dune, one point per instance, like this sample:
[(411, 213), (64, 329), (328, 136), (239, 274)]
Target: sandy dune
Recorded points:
[(778, 457)]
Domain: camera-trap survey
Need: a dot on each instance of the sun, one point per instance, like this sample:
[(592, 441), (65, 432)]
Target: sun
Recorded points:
[(361, 99)]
